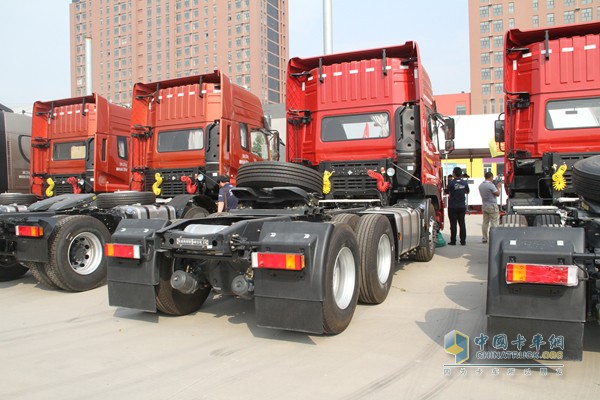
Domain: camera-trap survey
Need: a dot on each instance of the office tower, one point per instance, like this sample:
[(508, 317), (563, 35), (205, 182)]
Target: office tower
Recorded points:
[(488, 22), (152, 40)]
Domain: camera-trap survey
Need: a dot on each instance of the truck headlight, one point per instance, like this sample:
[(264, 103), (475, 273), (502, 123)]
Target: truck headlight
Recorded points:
[(390, 171)]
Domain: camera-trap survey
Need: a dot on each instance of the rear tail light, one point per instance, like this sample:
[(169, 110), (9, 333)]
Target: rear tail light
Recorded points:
[(564, 275), (288, 261), (29, 231), (122, 250)]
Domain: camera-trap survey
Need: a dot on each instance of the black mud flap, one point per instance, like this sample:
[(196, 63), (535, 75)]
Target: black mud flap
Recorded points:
[(131, 282), (293, 300), (550, 318)]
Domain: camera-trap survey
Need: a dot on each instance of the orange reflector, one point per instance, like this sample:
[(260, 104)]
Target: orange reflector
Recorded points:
[(564, 275), (122, 250), (289, 261), (29, 231)]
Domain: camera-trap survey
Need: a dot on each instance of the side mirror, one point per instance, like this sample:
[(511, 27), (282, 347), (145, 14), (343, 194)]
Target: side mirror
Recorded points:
[(275, 144), (499, 131), (449, 147), (267, 122), (449, 131)]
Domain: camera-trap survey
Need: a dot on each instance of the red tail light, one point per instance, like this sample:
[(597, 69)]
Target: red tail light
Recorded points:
[(288, 261), (564, 275), (29, 231), (122, 250)]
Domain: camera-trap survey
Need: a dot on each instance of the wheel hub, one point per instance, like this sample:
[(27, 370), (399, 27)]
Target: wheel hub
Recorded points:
[(85, 253)]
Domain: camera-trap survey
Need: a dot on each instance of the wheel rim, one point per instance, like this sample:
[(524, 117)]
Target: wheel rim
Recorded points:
[(344, 277), (384, 258), (85, 253)]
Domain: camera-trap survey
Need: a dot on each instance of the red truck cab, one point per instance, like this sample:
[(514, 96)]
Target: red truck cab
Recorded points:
[(187, 131), (79, 145), (370, 110)]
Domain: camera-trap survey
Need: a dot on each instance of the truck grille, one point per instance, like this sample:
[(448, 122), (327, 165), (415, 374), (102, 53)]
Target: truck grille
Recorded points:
[(171, 185), (60, 184), (351, 179)]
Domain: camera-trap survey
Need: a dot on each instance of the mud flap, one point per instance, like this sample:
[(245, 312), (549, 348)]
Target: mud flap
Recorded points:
[(293, 300), (131, 282), (547, 312)]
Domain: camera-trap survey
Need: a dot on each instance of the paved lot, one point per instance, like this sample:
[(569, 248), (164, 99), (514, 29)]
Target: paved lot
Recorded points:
[(56, 345)]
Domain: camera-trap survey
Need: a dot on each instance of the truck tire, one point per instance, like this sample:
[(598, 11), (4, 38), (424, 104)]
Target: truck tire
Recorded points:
[(425, 253), (17, 198), (76, 256), (10, 269), (268, 174), (549, 220), (110, 200), (39, 274), (173, 302), (376, 243), (513, 221), (195, 212), (341, 280), (586, 178), (347, 218)]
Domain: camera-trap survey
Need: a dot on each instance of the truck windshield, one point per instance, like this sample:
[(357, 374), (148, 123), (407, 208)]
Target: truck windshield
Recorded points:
[(571, 114), (68, 151), (355, 127), (180, 140)]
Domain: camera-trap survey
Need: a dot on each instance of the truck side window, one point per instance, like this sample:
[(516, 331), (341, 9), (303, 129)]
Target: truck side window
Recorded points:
[(244, 135), (180, 140), (122, 147), (103, 149), (259, 144)]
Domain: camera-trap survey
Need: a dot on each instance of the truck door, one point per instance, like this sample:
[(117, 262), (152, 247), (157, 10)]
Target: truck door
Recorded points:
[(212, 152)]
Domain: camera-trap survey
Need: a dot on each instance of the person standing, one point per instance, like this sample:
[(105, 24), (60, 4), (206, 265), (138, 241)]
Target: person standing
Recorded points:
[(457, 189), (226, 200), (489, 205)]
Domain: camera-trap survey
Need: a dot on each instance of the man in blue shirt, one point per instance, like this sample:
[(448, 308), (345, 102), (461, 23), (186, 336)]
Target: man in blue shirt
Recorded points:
[(226, 200), (457, 189)]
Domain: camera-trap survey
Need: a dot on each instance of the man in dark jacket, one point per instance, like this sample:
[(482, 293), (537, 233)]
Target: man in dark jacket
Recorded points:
[(457, 189), (226, 200)]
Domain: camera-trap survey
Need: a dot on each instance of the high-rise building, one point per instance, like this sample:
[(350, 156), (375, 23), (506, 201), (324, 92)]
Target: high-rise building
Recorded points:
[(152, 40), (488, 22)]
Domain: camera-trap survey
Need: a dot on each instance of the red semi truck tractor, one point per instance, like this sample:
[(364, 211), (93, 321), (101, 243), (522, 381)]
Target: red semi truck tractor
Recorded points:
[(187, 131), (543, 259), (79, 145), (309, 238), (177, 148)]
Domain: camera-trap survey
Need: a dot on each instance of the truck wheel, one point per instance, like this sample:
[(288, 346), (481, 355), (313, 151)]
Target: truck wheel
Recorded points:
[(586, 178), (347, 218), (341, 280), (110, 200), (376, 241), (39, 273), (195, 212), (17, 198), (425, 253), (268, 174), (513, 221), (173, 302), (10, 269), (76, 259)]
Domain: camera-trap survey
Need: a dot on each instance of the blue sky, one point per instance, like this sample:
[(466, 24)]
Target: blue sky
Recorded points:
[(35, 40)]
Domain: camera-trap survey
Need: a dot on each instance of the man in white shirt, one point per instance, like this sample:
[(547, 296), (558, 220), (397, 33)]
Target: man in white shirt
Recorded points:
[(489, 193)]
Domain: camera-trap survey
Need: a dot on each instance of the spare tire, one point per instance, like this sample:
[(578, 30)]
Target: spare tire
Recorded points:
[(586, 178), (109, 200), (17, 198), (268, 174)]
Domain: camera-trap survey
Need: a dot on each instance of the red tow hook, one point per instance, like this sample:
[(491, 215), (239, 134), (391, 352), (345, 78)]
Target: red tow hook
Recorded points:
[(190, 187), (75, 183), (382, 185)]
